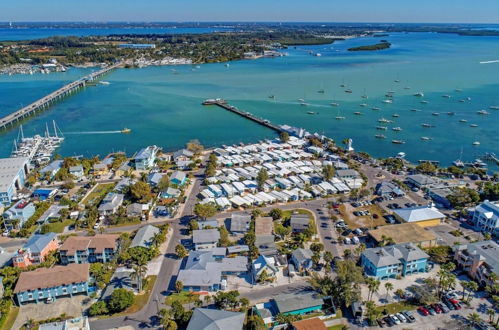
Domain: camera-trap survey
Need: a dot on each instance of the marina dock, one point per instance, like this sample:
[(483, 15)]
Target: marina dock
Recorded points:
[(45, 102), (223, 104)]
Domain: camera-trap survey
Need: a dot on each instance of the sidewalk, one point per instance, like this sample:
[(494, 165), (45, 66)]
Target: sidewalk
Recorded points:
[(154, 266)]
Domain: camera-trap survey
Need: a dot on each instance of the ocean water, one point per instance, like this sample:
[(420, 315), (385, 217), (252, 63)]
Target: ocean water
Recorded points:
[(162, 105), (15, 34)]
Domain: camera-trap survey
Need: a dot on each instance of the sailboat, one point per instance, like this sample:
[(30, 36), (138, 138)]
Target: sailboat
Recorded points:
[(458, 162), (364, 96), (339, 117)]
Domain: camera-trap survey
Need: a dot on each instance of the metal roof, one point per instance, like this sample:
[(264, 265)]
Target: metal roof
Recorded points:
[(214, 319), (9, 168)]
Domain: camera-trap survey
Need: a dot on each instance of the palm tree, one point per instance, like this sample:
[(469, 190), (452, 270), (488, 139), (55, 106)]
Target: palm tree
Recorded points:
[(388, 287), (474, 318), (156, 239), (373, 286), (491, 313), (473, 287), (138, 274)]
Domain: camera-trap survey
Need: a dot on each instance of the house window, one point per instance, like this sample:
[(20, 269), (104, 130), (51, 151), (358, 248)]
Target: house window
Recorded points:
[(64, 290), (30, 296), (40, 294), (75, 289)]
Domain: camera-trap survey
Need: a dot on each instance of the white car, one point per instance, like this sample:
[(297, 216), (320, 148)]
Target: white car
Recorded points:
[(401, 317), (97, 225), (6, 233), (395, 319)]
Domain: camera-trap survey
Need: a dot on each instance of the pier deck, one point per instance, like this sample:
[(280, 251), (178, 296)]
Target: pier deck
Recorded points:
[(223, 104), (43, 103)]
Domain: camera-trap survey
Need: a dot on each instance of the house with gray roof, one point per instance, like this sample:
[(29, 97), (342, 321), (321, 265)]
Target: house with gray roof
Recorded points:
[(302, 259), (347, 174), (35, 250), (178, 178), (205, 238), (266, 245), (214, 319), (394, 260), (298, 304), (206, 270), (144, 159), (479, 260), (110, 203), (263, 263), (388, 189), (239, 223), (76, 171), (144, 236), (299, 222), (420, 180)]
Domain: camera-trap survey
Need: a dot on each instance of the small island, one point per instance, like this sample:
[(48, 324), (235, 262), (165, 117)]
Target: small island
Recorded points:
[(379, 46)]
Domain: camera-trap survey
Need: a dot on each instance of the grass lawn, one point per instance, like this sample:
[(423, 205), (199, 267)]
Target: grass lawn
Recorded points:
[(11, 318), (286, 214), (98, 193), (184, 297), (336, 327), (58, 227), (339, 315), (397, 307), (128, 223)]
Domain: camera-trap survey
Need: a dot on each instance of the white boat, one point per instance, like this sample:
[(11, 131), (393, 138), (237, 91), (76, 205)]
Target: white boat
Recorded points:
[(473, 125), (363, 104), (318, 54), (427, 125), (476, 143), (358, 113), (301, 100), (383, 120), (381, 128), (395, 115), (400, 155), (380, 136), (375, 108), (104, 82), (446, 96), (419, 94), (459, 90), (304, 104), (407, 87), (494, 107), (387, 101), (339, 117), (483, 112), (463, 121), (397, 129), (436, 114), (425, 138), (424, 102), (334, 104)]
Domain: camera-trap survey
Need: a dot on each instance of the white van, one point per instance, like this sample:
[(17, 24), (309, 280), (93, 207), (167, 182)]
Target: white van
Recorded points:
[(347, 240), (355, 240)]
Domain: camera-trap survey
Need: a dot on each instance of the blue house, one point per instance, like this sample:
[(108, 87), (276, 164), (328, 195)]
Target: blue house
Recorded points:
[(298, 304), (178, 178), (144, 159), (13, 177), (44, 194), (394, 260), (20, 212), (58, 281)]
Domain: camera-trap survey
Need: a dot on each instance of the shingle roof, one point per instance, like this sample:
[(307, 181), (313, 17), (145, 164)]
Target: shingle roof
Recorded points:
[(99, 242), (291, 302), (240, 222), (42, 278), (309, 324), (144, 236), (419, 213), (9, 167), (302, 254), (213, 319), (394, 254), (39, 242), (205, 236), (263, 226)]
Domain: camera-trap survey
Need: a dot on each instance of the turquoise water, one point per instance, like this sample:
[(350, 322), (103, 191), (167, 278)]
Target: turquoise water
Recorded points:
[(38, 33), (162, 107)]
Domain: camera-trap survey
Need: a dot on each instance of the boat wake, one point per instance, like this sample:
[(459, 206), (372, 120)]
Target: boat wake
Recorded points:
[(489, 62), (94, 132)]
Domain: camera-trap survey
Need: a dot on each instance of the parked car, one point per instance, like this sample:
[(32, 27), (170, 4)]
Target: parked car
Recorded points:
[(401, 317), (423, 311), (381, 323), (449, 305), (389, 321), (395, 319), (437, 308), (444, 308), (431, 310), (409, 316), (455, 303)]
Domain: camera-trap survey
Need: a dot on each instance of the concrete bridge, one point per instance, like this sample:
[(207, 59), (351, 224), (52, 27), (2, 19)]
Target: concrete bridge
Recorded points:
[(45, 102)]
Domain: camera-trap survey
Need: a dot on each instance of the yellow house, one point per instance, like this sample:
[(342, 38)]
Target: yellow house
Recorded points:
[(100, 169), (424, 216)]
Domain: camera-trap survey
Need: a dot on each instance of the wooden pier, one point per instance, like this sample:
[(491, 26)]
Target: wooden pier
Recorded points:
[(223, 104), (490, 157), (45, 102)]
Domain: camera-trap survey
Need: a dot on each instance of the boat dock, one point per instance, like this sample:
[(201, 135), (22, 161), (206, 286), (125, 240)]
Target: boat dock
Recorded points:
[(223, 104), (434, 162), (491, 157), (46, 101)]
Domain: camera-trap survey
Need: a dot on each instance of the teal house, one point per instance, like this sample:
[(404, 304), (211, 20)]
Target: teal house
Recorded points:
[(178, 178), (394, 260), (293, 304), (43, 284)]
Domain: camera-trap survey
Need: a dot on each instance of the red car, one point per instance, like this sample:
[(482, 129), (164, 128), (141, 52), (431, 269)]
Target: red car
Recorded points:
[(423, 311), (456, 303), (437, 308)]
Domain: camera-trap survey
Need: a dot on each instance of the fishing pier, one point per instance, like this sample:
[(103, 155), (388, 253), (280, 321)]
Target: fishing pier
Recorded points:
[(223, 104), (45, 102)]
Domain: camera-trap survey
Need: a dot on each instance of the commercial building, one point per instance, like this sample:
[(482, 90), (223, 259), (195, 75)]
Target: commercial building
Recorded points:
[(35, 250), (424, 216), (18, 214), (486, 217), (394, 260), (479, 260), (144, 159), (58, 281), (439, 196), (83, 249), (403, 233), (13, 173), (204, 318), (205, 238)]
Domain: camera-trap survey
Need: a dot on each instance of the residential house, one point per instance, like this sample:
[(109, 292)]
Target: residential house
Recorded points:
[(264, 226), (302, 259), (394, 260), (263, 263), (18, 214), (100, 169), (6, 257), (110, 203), (207, 319), (348, 174), (44, 194), (388, 189), (298, 304), (144, 236), (13, 174), (420, 181), (58, 281), (439, 196), (171, 193), (76, 171), (425, 216), (205, 238), (53, 212), (299, 222), (79, 323), (178, 178), (208, 224), (145, 158), (83, 249), (35, 250), (137, 210), (240, 223), (266, 245), (182, 155), (207, 270), (155, 178), (480, 260), (51, 169), (486, 217)]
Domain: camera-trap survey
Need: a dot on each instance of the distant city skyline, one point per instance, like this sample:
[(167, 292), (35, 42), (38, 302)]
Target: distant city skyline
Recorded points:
[(380, 11)]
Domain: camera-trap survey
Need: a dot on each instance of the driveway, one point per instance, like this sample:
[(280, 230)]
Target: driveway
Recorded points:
[(41, 311)]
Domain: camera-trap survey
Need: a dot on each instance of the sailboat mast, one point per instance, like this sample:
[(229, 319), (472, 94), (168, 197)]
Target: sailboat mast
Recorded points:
[(55, 129), (21, 131), (47, 134)]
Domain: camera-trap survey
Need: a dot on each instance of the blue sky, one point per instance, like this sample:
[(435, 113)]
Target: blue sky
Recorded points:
[(468, 11)]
